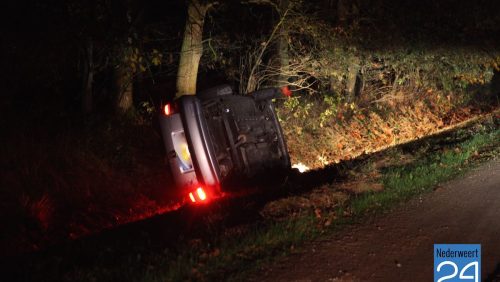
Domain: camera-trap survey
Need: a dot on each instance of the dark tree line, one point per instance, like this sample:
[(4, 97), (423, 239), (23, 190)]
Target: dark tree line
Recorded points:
[(101, 53)]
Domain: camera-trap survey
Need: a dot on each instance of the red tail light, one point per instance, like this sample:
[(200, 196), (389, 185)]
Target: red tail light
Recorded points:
[(286, 91), (201, 194), (198, 195), (191, 196), (167, 109)]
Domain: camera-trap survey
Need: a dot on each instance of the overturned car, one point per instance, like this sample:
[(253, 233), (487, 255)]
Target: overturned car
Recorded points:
[(219, 141)]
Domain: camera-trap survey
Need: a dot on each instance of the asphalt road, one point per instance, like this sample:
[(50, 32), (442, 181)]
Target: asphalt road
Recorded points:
[(398, 246)]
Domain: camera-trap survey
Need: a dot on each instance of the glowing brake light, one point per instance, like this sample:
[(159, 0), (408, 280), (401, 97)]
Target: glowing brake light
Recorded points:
[(201, 194), (191, 196), (167, 109)]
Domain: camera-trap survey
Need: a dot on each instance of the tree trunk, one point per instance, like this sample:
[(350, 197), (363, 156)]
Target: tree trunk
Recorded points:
[(124, 89), (192, 49), (283, 54), (348, 11), (342, 11), (124, 73), (353, 80), (88, 78)]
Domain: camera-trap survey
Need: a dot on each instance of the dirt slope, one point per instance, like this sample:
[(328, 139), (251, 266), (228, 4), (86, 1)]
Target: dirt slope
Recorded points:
[(399, 246)]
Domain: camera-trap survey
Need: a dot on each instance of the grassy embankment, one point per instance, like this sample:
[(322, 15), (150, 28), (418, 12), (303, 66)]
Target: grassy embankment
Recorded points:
[(217, 242), (403, 172)]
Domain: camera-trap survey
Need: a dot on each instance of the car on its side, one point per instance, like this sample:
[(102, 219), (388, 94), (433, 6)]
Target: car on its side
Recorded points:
[(219, 140)]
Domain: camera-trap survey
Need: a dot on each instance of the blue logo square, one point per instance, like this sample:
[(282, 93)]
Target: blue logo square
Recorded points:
[(457, 262)]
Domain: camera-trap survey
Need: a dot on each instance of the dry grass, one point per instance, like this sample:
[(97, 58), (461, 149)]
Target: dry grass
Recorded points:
[(323, 198), (354, 131)]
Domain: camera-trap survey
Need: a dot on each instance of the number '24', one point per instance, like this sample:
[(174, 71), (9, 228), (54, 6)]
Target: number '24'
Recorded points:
[(461, 276)]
